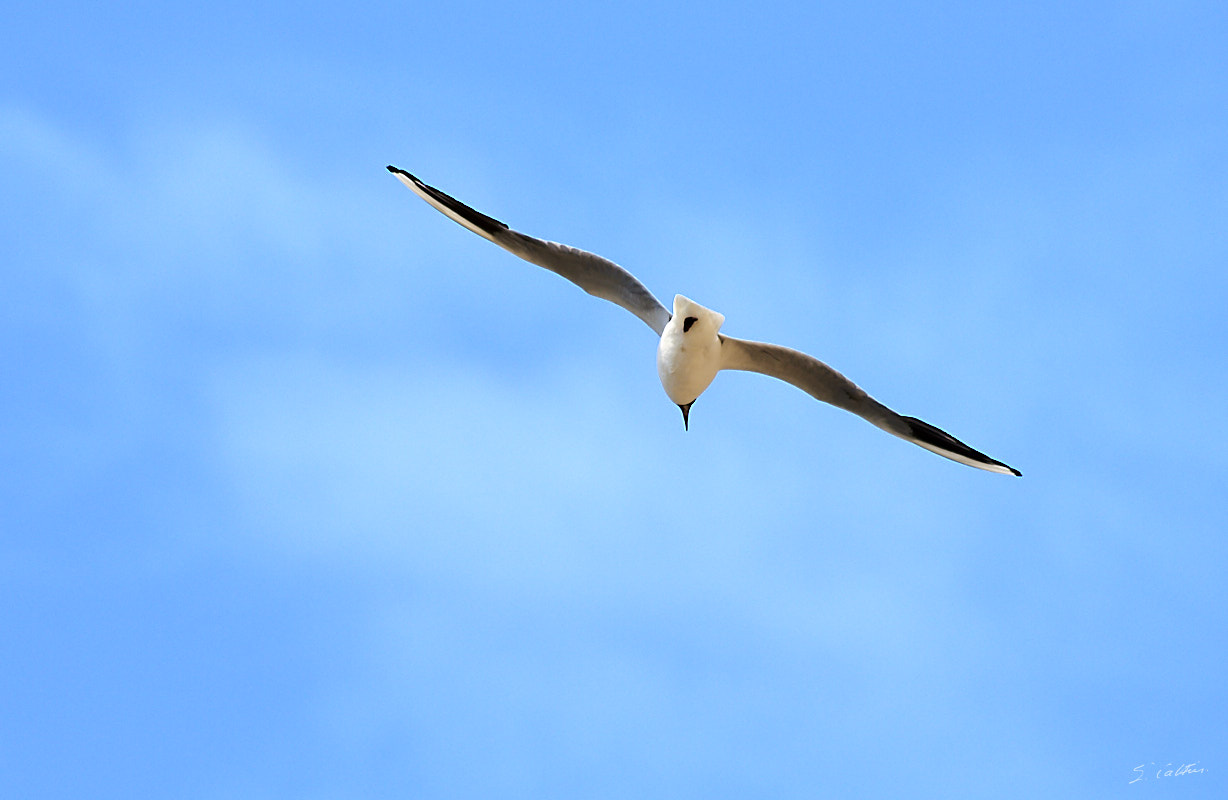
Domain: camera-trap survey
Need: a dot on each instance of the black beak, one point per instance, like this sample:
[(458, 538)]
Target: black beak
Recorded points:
[(686, 415)]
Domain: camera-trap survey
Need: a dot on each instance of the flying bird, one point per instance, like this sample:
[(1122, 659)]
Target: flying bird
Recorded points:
[(692, 349)]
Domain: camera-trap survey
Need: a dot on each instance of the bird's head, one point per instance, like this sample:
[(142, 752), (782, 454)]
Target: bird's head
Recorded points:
[(695, 321), (689, 354)]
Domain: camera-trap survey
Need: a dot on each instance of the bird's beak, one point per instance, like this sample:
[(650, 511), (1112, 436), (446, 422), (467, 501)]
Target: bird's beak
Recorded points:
[(686, 415)]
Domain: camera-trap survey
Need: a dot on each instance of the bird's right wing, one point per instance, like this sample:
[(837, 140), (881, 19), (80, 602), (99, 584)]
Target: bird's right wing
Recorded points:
[(824, 383), (592, 273)]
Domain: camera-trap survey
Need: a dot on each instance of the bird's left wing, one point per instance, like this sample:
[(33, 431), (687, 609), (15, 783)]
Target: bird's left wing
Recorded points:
[(824, 383), (598, 276)]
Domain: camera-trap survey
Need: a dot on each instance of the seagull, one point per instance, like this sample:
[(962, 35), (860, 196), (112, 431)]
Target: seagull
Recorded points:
[(692, 349)]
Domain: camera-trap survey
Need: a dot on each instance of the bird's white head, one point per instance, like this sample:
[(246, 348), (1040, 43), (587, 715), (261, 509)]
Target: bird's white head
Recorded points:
[(689, 354), (691, 316)]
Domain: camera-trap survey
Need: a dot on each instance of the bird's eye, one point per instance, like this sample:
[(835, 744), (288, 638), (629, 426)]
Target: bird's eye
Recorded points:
[(688, 322)]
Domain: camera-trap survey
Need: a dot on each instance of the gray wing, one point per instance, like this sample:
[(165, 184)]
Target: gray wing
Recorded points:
[(824, 383), (592, 273)]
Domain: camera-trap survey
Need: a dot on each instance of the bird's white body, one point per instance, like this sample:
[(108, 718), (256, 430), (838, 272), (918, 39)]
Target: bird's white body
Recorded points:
[(689, 353), (692, 349)]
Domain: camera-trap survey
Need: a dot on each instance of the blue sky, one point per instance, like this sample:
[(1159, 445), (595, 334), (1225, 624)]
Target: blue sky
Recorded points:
[(310, 493)]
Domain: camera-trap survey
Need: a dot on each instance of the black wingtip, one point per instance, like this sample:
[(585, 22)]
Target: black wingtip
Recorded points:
[(474, 217), (925, 432)]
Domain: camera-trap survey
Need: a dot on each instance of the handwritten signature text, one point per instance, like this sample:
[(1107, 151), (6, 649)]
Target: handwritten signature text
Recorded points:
[(1143, 771)]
